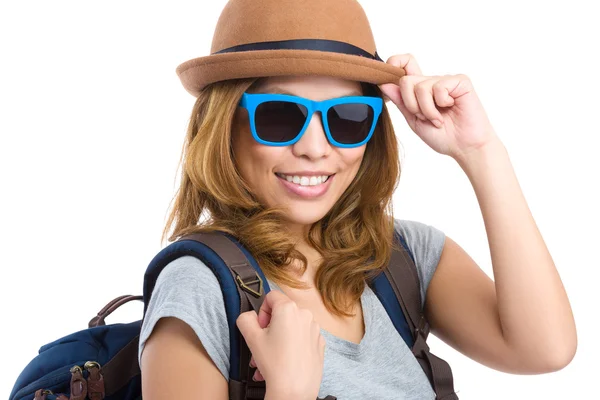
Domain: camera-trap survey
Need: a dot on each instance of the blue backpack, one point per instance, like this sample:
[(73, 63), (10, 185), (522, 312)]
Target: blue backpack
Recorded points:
[(101, 362)]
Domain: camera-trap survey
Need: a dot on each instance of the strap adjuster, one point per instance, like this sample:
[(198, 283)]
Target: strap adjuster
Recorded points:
[(248, 289)]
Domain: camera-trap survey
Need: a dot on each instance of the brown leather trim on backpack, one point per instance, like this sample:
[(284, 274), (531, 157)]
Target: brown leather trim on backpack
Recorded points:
[(42, 394), (78, 384), (98, 320), (121, 368), (95, 382), (403, 277)]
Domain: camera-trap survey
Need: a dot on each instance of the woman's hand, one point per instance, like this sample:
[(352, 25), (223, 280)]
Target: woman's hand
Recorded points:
[(286, 346), (444, 111)]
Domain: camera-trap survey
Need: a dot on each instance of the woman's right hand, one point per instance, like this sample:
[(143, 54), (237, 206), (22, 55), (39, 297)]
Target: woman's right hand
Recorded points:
[(286, 345)]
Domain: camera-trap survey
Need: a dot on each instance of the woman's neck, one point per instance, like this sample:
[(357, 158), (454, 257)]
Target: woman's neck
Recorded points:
[(313, 257)]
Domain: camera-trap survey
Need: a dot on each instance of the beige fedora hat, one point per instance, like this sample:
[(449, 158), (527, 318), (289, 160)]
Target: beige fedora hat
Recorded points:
[(261, 38)]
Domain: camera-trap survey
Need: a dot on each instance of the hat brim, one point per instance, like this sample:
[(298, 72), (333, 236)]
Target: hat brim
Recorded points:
[(196, 73)]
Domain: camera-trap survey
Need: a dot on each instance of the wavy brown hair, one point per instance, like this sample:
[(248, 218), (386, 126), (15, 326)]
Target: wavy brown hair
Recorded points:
[(354, 239)]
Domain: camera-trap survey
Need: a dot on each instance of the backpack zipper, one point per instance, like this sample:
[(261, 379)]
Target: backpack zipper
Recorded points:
[(59, 377)]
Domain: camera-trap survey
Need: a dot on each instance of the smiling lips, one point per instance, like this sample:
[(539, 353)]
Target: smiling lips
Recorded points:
[(313, 180), (306, 186)]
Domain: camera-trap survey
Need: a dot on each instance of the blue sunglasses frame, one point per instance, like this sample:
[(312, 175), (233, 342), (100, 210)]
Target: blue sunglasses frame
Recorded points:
[(250, 101)]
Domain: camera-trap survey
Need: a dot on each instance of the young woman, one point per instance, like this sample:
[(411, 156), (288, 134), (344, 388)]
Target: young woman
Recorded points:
[(290, 148)]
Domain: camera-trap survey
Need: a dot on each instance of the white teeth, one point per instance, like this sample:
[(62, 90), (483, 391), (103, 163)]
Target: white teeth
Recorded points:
[(305, 180)]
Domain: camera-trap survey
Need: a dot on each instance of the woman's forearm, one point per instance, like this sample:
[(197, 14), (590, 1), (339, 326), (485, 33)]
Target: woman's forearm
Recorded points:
[(534, 309)]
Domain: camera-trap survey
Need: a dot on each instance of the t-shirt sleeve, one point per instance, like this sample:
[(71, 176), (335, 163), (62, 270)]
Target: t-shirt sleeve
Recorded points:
[(426, 244), (188, 290)]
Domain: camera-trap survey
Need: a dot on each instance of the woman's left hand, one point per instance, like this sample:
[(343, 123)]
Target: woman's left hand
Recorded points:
[(450, 100)]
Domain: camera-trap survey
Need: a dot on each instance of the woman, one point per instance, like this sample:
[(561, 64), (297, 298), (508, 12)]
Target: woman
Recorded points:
[(290, 148)]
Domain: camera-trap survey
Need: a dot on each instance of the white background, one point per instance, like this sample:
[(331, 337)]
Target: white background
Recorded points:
[(93, 117)]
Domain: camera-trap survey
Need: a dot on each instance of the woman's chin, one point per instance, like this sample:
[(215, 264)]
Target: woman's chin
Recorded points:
[(306, 216)]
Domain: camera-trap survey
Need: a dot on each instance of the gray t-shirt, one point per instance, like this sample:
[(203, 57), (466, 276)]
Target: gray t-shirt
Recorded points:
[(380, 367)]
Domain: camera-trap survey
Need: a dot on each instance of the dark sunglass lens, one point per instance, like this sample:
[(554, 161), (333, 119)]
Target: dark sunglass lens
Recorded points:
[(279, 121), (350, 123)]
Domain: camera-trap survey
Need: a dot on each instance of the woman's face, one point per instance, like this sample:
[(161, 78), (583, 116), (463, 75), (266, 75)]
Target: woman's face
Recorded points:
[(267, 169)]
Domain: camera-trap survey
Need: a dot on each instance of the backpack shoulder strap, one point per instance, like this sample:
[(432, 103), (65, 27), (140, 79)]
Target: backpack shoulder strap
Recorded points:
[(404, 280), (243, 285)]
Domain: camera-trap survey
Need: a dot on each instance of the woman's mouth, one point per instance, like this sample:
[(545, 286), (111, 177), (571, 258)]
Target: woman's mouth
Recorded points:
[(306, 186)]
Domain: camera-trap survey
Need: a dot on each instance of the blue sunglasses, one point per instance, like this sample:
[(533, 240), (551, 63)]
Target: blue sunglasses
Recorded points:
[(281, 119)]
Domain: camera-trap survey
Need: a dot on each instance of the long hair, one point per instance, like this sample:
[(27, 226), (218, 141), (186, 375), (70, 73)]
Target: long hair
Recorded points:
[(354, 239)]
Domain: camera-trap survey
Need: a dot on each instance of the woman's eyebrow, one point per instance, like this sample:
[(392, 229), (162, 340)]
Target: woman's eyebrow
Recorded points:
[(277, 90)]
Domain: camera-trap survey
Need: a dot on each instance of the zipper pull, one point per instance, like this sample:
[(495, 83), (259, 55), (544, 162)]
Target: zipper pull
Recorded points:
[(42, 394), (95, 381), (78, 384)]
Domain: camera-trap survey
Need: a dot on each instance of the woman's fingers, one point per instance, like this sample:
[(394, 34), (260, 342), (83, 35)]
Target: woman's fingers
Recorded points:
[(289, 350), (264, 315), (258, 376), (407, 86), (247, 323), (441, 95), (424, 94), (272, 300), (402, 94), (406, 61), (415, 94), (251, 325)]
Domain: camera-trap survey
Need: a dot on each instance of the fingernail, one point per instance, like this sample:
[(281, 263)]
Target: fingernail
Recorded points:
[(437, 123)]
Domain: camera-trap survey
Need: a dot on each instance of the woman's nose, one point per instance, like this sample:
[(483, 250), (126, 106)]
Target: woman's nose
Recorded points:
[(313, 143)]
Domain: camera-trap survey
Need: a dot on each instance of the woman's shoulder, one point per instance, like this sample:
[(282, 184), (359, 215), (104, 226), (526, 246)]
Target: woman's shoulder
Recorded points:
[(188, 290), (187, 272), (412, 228), (187, 285), (426, 243)]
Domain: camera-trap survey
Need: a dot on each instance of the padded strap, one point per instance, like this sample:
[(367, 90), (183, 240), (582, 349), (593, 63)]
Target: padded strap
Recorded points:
[(403, 276), (250, 285), (251, 293)]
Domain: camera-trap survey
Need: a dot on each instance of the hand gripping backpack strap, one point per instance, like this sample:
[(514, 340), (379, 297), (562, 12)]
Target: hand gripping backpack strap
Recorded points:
[(251, 293), (403, 277)]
